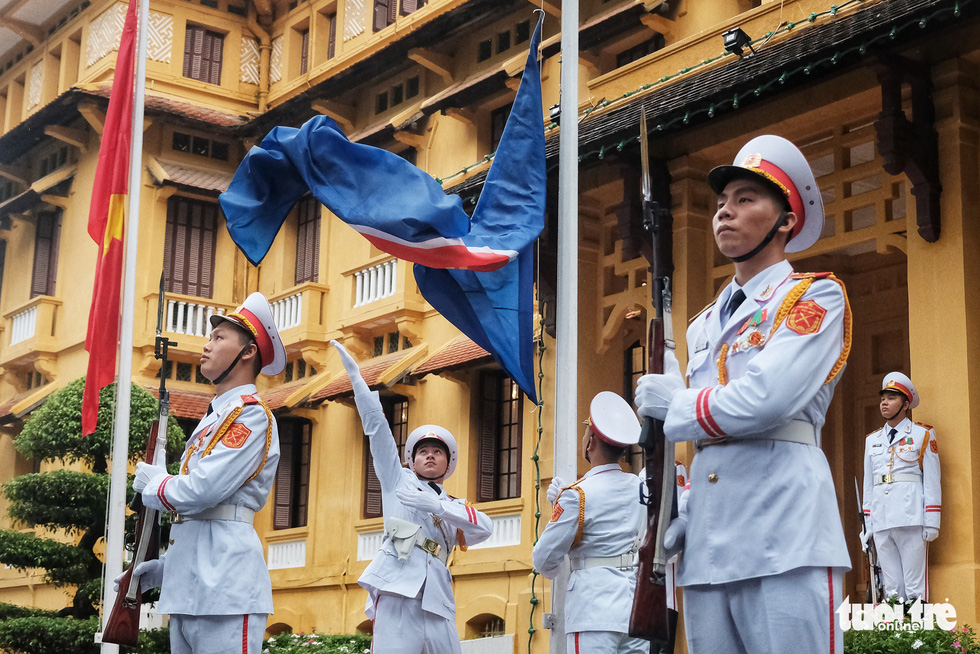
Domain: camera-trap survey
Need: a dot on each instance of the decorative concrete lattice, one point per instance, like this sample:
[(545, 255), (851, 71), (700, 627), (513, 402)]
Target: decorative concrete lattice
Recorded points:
[(37, 80), (275, 65), (160, 37), (354, 19), (104, 33), (250, 60)]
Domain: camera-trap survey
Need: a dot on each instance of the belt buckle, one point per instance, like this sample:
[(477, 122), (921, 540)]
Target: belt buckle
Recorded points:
[(431, 547), (887, 478), (176, 519)]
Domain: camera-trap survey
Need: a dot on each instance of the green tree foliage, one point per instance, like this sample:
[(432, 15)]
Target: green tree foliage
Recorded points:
[(69, 502)]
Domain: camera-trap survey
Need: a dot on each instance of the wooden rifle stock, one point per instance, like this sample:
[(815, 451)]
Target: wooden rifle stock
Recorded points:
[(123, 625), (651, 618)]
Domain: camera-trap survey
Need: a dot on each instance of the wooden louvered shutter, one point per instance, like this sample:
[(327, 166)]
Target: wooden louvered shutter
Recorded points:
[(189, 246), (307, 241), (372, 485), (382, 10), (47, 237), (304, 61), (217, 46), (332, 40), (489, 420), (190, 34), (408, 6), (3, 262), (282, 517)]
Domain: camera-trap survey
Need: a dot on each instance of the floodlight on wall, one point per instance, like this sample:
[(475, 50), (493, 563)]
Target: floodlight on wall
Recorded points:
[(736, 39)]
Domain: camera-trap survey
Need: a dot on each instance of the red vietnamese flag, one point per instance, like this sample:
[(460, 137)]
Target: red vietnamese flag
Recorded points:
[(105, 226)]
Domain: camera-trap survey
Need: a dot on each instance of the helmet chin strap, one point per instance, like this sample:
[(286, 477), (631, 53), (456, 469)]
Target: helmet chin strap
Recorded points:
[(897, 411), (234, 363), (780, 221)]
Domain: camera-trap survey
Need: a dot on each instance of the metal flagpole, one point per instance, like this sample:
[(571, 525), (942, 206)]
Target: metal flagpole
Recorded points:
[(566, 368), (120, 442)]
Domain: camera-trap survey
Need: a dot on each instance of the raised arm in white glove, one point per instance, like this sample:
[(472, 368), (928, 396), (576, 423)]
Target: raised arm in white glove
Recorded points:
[(365, 400), (655, 392), (557, 483), (420, 499), (148, 573), (144, 473)]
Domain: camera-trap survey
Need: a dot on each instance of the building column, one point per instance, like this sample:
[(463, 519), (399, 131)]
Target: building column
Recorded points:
[(944, 328)]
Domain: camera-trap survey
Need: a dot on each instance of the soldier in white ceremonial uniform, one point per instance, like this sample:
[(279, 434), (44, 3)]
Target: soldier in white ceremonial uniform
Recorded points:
[(764, 551), (214, 579), (902, 491), (598, 523), (410, 594)]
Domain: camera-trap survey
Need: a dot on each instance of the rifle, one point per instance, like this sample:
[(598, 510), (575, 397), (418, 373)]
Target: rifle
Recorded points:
[(652, 618), (876, 589), (123, 625)]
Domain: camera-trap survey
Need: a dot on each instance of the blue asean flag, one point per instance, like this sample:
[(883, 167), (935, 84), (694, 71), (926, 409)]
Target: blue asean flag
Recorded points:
[(477, 272)]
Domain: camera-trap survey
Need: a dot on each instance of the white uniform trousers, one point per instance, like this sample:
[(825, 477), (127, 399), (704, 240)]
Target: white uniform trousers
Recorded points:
[(402, 627), (902, 556), (605, 642), (217, 634), (789, 612)]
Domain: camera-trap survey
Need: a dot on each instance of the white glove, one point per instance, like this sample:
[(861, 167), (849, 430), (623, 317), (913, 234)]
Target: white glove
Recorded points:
[(654, 392), (420, 499), (353, 371), (929, 534), (149, 574), (144, 473), (677, 529), (864, 535), (557, 483)]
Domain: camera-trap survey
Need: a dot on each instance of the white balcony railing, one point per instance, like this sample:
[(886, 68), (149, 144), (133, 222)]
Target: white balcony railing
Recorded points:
[(375, 283), (190, 317), (24, 325), (368, 544), (288, 312), (288, 554), (506, 531)]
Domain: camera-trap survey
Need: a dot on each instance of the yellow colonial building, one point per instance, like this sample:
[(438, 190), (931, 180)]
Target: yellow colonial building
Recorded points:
[(881, 95)]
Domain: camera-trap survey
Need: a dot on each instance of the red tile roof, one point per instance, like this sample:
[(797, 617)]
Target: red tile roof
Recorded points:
[(275, 398), (185, 404), (181, 108), (371, 370), (457, 352), (208, 180)]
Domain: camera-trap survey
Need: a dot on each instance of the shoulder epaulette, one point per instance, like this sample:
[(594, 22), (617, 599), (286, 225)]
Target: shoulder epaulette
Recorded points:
[(695, 316), (250, 399), (925, 426), (810, 275), (872, 433)]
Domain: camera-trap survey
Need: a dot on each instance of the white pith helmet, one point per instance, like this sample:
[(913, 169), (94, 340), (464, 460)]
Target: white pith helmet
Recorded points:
[(431, 432)]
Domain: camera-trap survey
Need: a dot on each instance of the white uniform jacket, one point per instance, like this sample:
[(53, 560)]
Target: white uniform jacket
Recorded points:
[(761, 507), (902, 503), (599, 598), (459, 524), (217, 567)]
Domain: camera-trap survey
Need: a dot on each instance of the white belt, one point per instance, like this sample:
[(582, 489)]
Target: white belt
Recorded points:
[(431, 547), (795, 431), (623, 562), (228, 512), (890, 478)]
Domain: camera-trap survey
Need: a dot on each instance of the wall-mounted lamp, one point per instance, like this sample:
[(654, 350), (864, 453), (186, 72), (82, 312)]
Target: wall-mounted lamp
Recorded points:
[(554, 113), (736, 39)]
